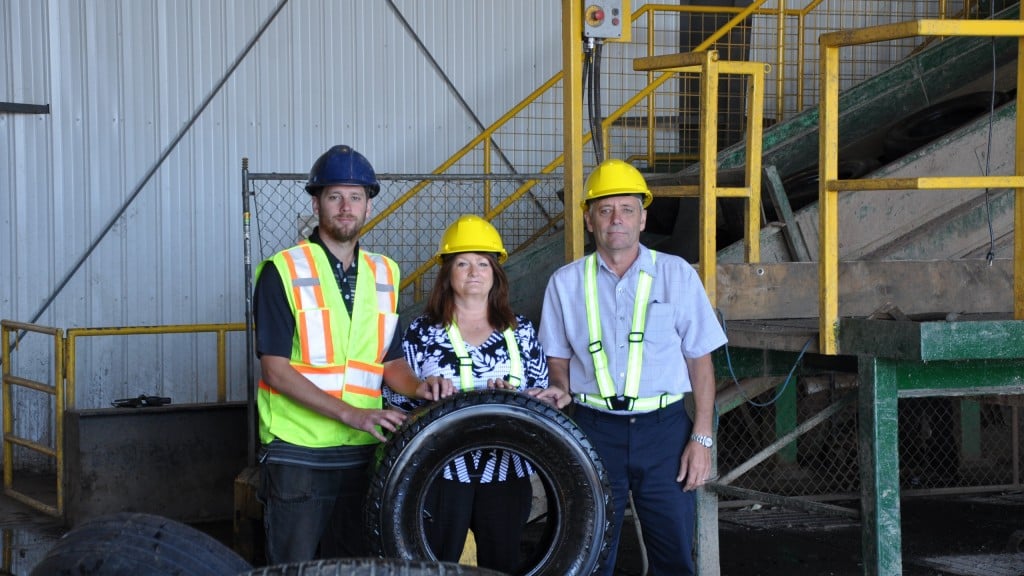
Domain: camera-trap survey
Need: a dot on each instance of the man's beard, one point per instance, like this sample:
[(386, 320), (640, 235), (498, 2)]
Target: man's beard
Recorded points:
[(341, 232)]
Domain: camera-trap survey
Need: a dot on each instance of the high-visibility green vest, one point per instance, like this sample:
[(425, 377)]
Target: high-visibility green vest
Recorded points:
[(342, 356)]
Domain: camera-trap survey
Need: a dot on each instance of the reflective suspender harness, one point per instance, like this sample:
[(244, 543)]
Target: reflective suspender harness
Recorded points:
[(466, 363), (609, 398)]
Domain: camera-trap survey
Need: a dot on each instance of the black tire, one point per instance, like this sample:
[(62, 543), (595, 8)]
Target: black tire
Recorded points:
[(371, 567), (926, 125), (128, 544), (802, 187), (579, 501)]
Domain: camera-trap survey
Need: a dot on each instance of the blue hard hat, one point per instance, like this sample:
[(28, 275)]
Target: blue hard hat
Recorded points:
[(342, 165)]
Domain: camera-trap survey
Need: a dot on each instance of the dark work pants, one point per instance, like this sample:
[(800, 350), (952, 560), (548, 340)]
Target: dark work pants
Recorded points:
[(309, 513), (641, 454), (496, 512)]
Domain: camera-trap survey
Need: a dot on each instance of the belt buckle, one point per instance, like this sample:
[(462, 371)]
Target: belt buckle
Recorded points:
[(619, 403)]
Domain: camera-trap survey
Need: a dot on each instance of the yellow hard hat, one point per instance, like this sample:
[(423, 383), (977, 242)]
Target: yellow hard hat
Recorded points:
[(471, 233), (614, 178)]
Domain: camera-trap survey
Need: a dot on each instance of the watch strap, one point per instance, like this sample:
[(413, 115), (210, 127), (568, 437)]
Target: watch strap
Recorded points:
[(705, 441)]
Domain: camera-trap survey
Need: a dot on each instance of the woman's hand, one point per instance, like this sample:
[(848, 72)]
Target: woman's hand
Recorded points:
[(435, 388), (500, 384)]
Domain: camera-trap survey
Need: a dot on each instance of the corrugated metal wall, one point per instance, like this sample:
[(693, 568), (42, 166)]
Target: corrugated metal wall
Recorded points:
[(124, 77)]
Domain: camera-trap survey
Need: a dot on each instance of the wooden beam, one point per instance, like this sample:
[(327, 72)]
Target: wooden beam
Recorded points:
[(790, 289)]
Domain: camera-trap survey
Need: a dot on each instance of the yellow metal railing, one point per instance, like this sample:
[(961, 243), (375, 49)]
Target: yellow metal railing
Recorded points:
[(63, 390), (11, 439), (220, 330), (654, 81), (485, 140), (781, 34), (787, 42), (709, 66), (830, 186)]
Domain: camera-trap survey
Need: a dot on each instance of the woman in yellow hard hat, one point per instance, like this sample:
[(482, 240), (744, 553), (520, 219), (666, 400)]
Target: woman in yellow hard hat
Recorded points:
[(468, 333)]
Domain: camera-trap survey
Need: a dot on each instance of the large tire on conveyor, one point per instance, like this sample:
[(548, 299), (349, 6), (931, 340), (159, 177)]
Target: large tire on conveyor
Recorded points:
[(802, 187), (576, 541), (925, 125)]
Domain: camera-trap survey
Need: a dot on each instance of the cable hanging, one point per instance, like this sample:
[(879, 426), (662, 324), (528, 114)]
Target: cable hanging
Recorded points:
[(592, 87), (732, 372)]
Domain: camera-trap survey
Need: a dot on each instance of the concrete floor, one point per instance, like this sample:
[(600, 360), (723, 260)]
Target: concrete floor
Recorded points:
[(942, 536)]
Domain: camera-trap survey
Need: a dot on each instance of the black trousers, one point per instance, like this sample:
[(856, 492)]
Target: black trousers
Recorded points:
[(311, 513), (496, 512)]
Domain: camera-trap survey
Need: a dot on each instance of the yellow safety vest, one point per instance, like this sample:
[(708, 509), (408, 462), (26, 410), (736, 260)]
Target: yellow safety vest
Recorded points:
[(342, 356)]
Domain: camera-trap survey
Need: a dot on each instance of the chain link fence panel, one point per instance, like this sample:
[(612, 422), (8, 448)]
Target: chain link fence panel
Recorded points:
[(281, 214), (946, 444)]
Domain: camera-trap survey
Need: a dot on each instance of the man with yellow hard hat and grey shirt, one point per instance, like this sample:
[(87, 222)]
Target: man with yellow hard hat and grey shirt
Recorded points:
[(628, 332)]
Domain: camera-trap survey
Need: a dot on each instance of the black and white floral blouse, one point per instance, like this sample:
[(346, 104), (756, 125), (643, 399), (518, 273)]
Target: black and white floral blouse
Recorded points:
[(429, 351)]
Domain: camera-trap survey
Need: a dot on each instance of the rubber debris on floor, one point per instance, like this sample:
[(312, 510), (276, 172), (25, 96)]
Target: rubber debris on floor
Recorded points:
[(781, 518), (976, 564)]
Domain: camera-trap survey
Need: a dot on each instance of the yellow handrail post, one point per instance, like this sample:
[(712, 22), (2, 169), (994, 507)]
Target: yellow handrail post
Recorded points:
[(780, 56), (708, 172), (1018, 198), (828, 200), (60, 407), (572, 122), (754, 150), (222, 370), (8, 418)]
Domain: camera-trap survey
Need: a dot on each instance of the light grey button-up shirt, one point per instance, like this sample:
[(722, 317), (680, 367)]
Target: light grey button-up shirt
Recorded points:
[(681, 323)]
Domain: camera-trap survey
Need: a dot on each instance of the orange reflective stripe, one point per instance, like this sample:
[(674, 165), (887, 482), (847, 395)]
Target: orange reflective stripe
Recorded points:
[(381, 329), (362, 390), (328, 337), (267, 387), (303, 328), (320, 369), (375, 369)]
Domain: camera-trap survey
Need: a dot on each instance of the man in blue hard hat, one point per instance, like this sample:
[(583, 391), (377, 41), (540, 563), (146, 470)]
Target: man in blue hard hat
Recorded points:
[(327, 337)]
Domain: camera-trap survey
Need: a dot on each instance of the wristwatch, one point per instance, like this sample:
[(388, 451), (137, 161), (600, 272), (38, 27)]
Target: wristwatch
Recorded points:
[(705, 441)]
